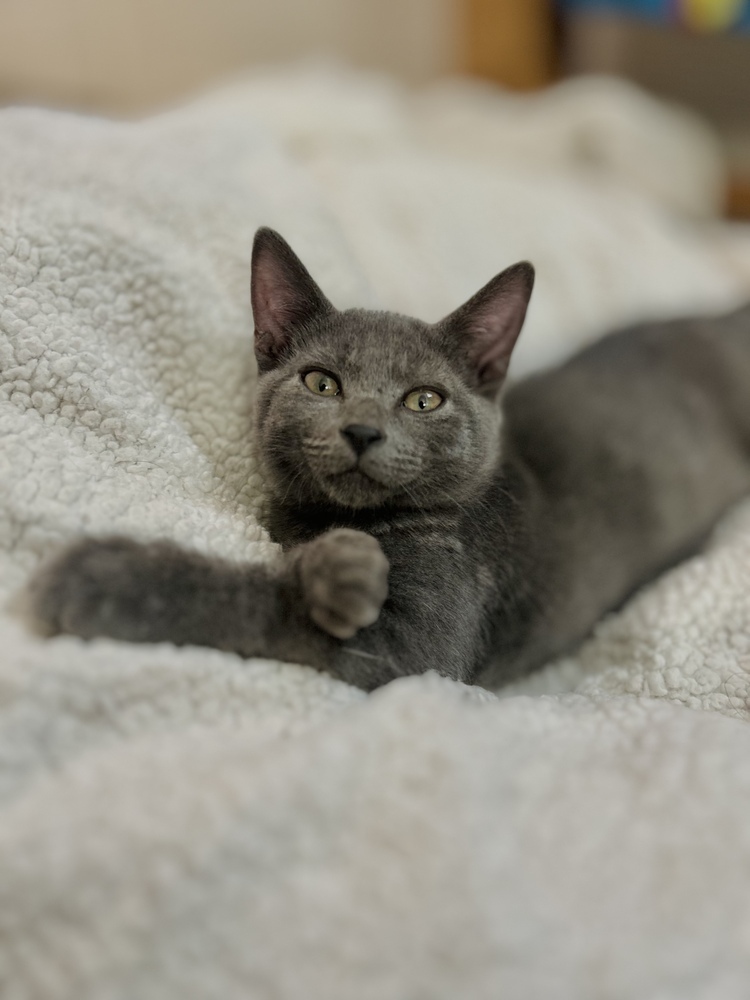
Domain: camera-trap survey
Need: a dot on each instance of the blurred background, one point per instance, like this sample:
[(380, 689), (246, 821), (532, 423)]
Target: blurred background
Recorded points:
[(131, 56)]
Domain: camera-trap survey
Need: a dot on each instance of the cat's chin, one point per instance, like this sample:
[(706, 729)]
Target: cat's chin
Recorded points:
[(356, 489)]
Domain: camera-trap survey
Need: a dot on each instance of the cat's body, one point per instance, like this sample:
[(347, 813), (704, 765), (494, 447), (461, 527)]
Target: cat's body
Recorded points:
[(630, 451), (420, 529)]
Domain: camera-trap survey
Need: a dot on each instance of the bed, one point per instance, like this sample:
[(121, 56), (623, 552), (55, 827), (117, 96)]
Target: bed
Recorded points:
[(179, 823)]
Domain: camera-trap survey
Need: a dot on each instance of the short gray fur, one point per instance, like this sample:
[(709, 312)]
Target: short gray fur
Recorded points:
[(478, 539)]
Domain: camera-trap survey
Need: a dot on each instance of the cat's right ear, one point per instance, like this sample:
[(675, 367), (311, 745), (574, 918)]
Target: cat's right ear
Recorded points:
[(284, 297)]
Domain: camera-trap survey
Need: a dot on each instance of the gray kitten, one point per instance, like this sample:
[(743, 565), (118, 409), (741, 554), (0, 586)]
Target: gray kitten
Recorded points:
[(423, 525)]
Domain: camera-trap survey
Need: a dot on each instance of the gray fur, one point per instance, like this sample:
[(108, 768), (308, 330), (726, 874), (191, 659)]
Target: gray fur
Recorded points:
[(479, 539)]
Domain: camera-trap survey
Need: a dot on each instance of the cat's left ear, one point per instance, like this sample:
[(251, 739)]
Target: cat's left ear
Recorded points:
[(485, 329), (284, 297)]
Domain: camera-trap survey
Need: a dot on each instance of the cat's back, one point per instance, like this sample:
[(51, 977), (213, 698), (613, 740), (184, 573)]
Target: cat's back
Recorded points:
[(657, 383)]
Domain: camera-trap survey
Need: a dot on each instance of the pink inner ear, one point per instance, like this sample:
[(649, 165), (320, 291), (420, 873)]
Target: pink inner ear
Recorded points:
[(497, 329), (268, 304), (283, 295), (273, 311)]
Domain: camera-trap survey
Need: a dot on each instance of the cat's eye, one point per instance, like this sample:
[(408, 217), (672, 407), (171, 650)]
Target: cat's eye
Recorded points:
[(321, 383), (423, 400)]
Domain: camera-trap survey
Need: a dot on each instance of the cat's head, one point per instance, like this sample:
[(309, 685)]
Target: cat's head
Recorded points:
[(363, 409)]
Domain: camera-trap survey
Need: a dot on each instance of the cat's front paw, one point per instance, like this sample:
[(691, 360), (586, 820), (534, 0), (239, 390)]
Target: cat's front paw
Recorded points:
[(344, 576), (97, 587)]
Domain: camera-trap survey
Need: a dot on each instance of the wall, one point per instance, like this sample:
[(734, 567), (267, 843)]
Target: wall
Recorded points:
[(129, 55)]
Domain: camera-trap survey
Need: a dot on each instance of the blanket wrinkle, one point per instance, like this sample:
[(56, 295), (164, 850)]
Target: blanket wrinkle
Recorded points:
[(180, 824)]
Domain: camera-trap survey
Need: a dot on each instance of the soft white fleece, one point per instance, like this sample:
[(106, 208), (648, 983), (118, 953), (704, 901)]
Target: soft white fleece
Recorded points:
[(183, 825)]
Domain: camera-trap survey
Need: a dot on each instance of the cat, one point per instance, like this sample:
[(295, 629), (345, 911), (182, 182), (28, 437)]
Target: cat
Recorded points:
[(430, 518)]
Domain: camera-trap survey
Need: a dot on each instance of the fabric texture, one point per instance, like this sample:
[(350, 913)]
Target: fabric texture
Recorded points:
[(179, 823)]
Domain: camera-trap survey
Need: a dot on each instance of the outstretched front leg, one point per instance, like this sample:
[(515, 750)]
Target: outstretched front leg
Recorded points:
[(325, 603), (299, 609)]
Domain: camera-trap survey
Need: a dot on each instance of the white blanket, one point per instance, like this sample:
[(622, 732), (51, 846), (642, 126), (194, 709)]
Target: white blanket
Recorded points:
[(183, 825)]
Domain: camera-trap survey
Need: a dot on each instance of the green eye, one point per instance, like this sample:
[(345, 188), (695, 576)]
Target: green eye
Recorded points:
[(321, 384), (423, 400)]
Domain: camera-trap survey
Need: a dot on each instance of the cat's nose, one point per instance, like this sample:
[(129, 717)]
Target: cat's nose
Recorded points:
[(360, 436)]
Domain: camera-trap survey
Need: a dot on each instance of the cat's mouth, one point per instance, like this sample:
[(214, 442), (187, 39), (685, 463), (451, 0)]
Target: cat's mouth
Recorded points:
[(357, 474), (356, 488)]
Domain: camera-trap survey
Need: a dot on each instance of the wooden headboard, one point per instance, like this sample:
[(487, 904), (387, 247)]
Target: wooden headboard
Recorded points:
[(511, 41), (515, 42)]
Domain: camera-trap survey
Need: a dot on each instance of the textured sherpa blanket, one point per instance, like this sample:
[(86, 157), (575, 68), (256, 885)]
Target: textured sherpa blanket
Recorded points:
[(177, 824)]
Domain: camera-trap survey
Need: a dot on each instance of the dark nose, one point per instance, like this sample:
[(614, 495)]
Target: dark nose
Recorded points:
[(360, 436)]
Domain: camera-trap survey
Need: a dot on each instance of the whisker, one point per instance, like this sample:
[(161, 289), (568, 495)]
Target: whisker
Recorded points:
[(413, 499)]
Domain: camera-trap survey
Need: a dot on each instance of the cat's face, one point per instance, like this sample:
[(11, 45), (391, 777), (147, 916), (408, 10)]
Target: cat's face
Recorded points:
[(363, 409), (367, 411)]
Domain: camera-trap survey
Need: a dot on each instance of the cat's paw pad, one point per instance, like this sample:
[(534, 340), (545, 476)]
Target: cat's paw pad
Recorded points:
[(344, 576), (94, 588)]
